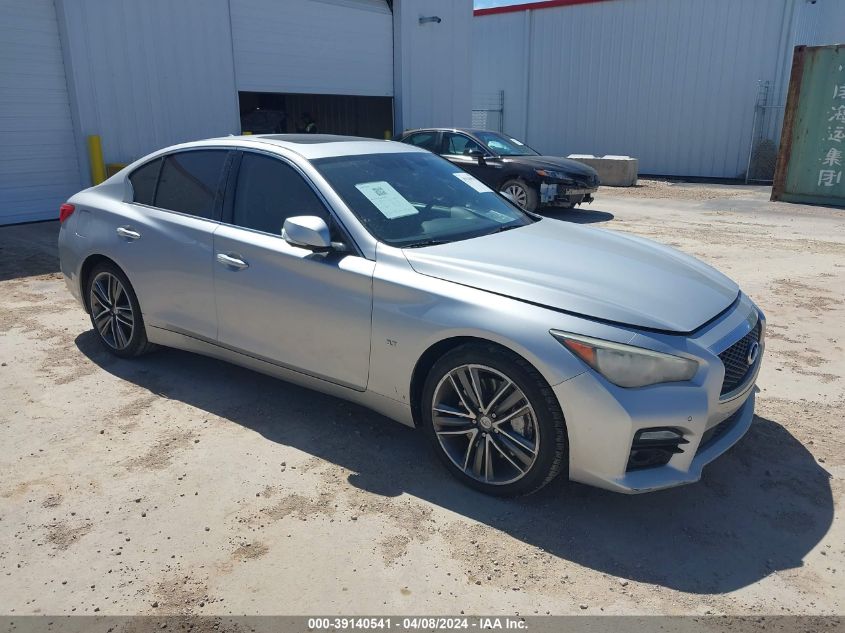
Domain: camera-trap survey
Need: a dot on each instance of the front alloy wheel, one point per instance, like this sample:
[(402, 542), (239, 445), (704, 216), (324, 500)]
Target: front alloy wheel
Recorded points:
[(485, 424), (493, 420)]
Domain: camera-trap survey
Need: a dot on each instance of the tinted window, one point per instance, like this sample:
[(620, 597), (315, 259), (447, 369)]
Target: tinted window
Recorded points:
[(189, 182), (423, 139), (144, 180), (268, 192), (459, 144)]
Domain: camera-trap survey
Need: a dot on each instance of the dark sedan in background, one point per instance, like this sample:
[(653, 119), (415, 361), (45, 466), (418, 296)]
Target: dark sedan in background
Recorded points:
[(511, 167)]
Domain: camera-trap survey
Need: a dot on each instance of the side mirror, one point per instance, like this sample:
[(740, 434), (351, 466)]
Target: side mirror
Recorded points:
[(307, 231), (477, 154)]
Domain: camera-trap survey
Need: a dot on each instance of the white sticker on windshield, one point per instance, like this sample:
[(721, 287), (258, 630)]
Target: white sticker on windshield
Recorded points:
[(501, 218), (386, 199), (517, 142), (473, 182)]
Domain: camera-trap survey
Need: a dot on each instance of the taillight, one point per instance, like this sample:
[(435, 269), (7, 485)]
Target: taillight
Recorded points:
[(65, 211)]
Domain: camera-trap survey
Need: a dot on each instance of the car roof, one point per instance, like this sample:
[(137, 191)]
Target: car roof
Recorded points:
[(465, 130), (309, 146)]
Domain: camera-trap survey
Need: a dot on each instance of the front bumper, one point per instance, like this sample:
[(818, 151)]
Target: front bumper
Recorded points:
[(552, 194), (602, 419)]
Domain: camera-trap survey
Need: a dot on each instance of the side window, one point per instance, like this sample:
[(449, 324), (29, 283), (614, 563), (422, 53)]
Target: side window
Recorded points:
[(189, 181), (268, 191), (144, 181), (423, 139), (459, 144)]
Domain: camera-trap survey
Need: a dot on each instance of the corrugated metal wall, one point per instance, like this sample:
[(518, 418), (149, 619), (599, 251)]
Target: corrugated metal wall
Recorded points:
[(820, 23), (672, 83), (149, 74), (313, 46), (433, 63), (38, 165)]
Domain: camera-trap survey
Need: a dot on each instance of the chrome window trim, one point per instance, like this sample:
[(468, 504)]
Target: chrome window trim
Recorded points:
[(184, 215)]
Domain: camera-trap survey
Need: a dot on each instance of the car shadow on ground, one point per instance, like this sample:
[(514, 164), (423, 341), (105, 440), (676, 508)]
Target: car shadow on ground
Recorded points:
[(27, 250), (577, 215), (760, 508)]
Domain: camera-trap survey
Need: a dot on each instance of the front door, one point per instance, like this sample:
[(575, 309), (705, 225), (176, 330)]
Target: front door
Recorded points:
[(456, 147), (306, 311)]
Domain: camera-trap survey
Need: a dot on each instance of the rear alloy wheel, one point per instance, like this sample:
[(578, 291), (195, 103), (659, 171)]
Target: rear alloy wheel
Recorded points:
[(115, 313), (494, 421), (523, 195)]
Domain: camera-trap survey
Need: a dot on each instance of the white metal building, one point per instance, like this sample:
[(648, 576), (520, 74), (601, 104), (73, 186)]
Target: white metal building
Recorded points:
[(674, 83), (143, 74)]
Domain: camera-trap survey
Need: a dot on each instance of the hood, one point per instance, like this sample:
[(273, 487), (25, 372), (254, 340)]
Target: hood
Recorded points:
[(587, 271), (578, 171)]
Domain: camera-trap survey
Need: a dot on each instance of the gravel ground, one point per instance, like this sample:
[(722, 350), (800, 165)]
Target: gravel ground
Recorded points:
[(176, 484), (669, 189)]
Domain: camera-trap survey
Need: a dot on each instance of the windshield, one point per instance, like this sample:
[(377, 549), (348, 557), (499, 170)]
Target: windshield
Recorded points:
[(504, 145), (418, 199)]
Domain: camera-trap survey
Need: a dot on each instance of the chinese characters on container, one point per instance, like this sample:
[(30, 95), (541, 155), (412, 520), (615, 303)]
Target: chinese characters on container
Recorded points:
[(831, 172)]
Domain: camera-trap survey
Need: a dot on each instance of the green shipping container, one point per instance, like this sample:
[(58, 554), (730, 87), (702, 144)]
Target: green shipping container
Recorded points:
[(811, 160)]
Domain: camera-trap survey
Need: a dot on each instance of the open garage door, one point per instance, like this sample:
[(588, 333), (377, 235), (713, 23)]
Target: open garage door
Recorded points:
[(329, 59), (271, 113), (38, 165)]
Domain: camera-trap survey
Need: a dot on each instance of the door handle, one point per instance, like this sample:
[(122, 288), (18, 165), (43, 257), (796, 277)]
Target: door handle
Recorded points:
[(128, 233), (231, 261)]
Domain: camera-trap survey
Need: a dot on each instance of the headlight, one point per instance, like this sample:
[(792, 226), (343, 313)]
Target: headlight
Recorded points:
[(626, 365), (553, 175)]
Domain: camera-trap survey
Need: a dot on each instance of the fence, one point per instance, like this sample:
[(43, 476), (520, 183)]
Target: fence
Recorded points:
[(488, 111), (765, 137)]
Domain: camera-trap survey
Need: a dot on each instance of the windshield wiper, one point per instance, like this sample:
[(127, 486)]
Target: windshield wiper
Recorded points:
[(422, 243), (506, 228)]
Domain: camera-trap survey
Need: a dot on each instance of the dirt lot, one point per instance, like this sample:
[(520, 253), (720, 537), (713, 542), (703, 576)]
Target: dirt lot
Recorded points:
[(179, 484)]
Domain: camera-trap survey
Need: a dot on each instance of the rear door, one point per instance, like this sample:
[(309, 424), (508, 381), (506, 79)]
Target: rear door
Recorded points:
[(165, 241), (426, 139), (300, 309)]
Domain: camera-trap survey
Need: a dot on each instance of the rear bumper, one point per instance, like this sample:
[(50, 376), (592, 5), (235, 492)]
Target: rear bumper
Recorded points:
[(70, 260)]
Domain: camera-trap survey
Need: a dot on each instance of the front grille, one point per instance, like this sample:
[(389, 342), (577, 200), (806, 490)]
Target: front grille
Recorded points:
[(712, 435), (735, 359)]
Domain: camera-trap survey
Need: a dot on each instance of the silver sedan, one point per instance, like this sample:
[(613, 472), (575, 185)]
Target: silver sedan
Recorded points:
[(380, 273)]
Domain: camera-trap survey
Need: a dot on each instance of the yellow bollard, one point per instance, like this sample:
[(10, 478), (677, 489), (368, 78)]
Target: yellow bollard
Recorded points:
[(387, 135), (245, 133), (95, 157)]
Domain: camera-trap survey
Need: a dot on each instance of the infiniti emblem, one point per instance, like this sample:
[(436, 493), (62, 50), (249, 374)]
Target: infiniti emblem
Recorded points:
[(753, 353)]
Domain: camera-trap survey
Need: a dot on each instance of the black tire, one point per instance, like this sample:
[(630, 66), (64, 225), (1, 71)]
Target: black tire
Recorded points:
[(550, 440), (528, 197), (115, 336)]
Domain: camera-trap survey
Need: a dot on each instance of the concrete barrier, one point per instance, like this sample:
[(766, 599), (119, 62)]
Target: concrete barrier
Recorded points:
[(614, 171)]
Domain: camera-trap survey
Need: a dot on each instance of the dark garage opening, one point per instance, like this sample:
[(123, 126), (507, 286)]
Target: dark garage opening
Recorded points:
[(274, 113)]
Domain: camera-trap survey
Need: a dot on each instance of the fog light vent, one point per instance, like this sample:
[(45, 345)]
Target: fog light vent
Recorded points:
[(655, 447)]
